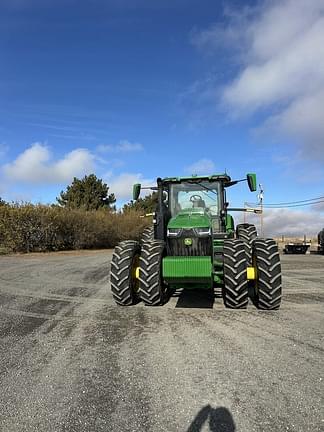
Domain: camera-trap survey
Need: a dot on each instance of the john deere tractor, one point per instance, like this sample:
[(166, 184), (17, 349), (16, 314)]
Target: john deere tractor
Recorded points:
[(193, 244)]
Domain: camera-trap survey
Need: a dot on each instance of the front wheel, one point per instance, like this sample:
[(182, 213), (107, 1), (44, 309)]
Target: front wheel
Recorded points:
[(235, 291), (124, 284), (267, 285), (152, 290)]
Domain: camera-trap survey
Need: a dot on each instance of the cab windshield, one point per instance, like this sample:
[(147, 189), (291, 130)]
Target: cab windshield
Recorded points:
[(201, 195)]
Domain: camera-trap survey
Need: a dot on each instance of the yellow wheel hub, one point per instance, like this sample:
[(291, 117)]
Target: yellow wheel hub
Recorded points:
[(251, 273), (136, 272)]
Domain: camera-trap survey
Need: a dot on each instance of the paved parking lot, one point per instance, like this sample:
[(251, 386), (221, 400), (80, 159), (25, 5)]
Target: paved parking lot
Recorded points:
[(73, 361)]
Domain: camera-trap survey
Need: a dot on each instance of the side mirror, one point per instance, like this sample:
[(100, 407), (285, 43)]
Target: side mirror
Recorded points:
[(136, 191), (251, 179)]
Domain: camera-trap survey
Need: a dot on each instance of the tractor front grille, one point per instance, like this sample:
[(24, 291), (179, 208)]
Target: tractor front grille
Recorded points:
[(200, 246)]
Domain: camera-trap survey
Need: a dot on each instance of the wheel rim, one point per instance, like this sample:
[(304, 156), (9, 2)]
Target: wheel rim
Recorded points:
[(134, 273), (255, 284)]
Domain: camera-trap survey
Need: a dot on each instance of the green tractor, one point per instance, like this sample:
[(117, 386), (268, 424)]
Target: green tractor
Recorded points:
[(193, 244)]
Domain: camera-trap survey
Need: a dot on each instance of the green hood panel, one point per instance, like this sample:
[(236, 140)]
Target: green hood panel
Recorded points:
[(190, 218)]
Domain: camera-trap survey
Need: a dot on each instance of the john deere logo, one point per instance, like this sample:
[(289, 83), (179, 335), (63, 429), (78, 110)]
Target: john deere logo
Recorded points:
[(188, 241)]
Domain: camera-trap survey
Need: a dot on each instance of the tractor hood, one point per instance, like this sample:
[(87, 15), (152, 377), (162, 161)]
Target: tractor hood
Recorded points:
[(190, 218)]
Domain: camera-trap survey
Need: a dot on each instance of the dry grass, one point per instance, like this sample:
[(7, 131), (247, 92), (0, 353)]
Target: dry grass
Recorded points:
[(39, 228)]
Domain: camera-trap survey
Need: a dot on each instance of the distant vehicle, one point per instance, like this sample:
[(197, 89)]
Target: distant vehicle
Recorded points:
[(320, 239), (296, 248)]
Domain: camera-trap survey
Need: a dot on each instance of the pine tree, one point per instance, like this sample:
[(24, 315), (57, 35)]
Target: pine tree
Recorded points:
[(88, 193)]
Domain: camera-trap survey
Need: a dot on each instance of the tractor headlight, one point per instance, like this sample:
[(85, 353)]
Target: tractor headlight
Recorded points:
[(174, 232), (203, 232)]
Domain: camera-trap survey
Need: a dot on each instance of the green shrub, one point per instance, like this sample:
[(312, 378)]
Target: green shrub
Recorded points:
[(32, 228)]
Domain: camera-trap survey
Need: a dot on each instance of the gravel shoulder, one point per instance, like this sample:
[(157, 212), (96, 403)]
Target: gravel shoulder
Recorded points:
[(71, 360)]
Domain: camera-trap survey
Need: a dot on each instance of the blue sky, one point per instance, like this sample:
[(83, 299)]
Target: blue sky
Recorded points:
[(132, 90)]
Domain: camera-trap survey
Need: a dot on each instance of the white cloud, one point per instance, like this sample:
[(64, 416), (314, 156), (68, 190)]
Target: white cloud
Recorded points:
[(287, 222), (201, 167), (35, 165), (122, 184), (280, 45), (123, 146), (219, 36)]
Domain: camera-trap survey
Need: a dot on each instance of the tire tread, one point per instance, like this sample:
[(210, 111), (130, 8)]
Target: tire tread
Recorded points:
[(266, 257), (120, 272), (152, 291), (235, 291)]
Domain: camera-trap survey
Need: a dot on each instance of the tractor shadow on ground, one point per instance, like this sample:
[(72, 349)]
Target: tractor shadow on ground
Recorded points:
[(204, 298), (195, 298), (218, 419)]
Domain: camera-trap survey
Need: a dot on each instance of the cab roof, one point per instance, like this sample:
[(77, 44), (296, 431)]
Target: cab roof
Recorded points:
[(214, 177)]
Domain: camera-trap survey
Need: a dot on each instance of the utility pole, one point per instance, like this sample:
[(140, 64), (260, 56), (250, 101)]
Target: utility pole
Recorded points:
[(244, 213), (260, 198)]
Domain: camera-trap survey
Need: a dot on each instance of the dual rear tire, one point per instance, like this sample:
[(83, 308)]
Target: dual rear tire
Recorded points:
[(267, 285), (136, 273)]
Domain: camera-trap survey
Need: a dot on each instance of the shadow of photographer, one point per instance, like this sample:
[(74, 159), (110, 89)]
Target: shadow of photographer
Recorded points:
[(219, 420)]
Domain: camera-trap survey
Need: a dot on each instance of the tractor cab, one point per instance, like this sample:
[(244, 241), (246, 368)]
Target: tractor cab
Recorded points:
[(195, 202), (187, 196)]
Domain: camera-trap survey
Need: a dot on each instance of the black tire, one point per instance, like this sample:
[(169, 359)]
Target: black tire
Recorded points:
[(152, 290), (247, 233), (124, 285), (268, 283), (235, 290), (147, 234)]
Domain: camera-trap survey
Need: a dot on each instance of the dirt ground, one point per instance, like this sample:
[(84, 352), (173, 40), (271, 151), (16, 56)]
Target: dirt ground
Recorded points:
[(71, 360)]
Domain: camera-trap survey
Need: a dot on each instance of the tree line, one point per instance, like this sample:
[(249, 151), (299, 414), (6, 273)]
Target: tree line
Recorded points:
[(91, 193)]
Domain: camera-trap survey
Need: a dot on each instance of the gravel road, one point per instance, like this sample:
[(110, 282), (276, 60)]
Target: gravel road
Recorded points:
[(70, 360)]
